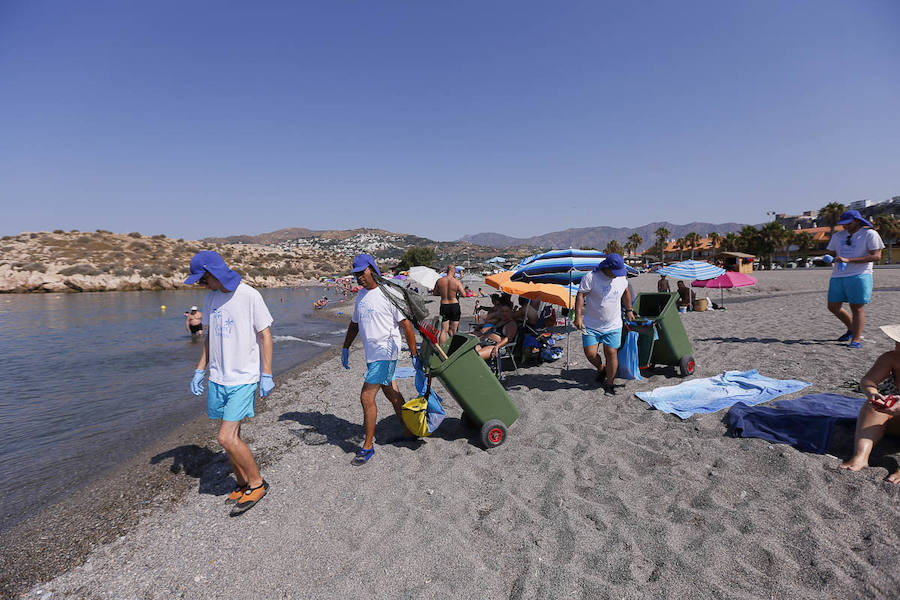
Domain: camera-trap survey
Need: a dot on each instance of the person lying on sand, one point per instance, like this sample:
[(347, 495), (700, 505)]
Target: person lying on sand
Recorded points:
[(881, 414)]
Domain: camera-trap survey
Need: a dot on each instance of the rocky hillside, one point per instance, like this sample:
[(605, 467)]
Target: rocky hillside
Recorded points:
[(75, 261)]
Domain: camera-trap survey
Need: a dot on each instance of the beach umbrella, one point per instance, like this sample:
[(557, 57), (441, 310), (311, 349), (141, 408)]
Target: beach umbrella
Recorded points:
[(543, 292), (728, 279), (400, 277), (424, 276), (691, 269)]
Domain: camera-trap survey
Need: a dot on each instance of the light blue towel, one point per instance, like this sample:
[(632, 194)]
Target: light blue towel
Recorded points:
[(715, 393)]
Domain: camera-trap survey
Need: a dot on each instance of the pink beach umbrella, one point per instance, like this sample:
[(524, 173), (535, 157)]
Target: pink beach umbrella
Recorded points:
[(729, 279)]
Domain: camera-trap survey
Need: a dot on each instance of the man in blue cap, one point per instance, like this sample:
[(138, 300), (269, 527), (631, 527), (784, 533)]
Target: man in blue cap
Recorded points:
[(379, 322), (602, 296), (855, 249), (237, 323)]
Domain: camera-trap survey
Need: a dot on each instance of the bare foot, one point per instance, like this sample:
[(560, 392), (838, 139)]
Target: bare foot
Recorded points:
[(855, 464), (893, 477)]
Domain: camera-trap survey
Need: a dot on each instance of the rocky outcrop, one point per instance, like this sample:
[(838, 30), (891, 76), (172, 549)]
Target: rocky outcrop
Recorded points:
[(62, 262)]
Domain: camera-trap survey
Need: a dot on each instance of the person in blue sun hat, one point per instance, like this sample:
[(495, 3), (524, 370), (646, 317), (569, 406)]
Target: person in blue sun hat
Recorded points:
[(238, 323), (855, 249), (379, 323), (602, 296)]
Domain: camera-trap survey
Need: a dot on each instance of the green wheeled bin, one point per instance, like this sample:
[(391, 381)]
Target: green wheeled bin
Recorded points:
[(662, 339), (470, 381)]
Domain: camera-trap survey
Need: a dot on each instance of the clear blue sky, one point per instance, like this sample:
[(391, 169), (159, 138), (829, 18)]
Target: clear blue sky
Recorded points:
[(441, 118)]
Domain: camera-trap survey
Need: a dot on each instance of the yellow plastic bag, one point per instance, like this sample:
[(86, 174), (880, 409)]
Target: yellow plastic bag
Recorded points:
[(414, 416)]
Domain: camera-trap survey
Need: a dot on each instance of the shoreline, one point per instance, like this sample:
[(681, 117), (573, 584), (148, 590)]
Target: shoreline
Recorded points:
[(62, 535)]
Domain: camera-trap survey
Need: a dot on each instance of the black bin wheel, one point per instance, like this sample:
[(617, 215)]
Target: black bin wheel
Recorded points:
[(687, 365), (493, 433)]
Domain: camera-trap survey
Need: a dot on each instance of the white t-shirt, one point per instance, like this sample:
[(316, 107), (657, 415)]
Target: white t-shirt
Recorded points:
[(602, 301), (377, 319), (861, 243), (232, 321)]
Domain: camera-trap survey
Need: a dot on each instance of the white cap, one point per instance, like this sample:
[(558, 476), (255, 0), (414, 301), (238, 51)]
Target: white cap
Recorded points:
[(892, 331), (193, 308)]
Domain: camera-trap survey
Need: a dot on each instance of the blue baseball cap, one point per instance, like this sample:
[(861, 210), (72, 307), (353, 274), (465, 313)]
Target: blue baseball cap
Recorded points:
[(615, 263), (207, 260), (853, 215), (362, 261)]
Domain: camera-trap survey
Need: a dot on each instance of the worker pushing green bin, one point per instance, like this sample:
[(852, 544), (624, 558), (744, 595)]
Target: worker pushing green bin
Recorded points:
[(473, 385), (662, 339)]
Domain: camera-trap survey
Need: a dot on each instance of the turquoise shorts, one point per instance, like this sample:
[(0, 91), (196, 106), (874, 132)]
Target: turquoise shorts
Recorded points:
[(592, 337), (856, 289), (381, 372), (230, 402)]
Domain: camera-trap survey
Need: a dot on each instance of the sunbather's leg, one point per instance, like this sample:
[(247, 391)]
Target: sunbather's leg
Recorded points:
[(870, 427)]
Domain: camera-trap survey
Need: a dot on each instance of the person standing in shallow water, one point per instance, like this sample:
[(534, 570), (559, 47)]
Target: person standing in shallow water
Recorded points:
[(379, 322), (193, 322), (238, 334)]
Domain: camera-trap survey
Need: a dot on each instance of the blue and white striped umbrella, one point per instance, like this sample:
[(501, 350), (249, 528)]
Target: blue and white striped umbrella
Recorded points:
[(561, 267), (692, 269)]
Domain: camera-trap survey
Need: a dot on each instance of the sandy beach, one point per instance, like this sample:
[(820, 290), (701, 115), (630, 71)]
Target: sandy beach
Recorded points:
[(590, 496)]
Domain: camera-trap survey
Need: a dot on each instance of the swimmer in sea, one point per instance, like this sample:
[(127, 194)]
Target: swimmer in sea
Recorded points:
[(193, 322)]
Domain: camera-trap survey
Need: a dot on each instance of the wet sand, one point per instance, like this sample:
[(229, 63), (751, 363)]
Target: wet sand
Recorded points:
[(590, 496)]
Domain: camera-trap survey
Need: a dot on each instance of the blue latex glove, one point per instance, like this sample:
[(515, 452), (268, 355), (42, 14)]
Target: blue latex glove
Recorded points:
[(197, 382), (266, 385), (417, 364), (345, 357)]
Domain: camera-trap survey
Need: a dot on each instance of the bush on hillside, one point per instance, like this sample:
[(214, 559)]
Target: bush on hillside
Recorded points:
[(82, 269), (34, 266), (135, 234)]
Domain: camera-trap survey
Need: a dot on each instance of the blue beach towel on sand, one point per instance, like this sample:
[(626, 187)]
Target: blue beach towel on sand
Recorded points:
[(806, 423), (715, 393)]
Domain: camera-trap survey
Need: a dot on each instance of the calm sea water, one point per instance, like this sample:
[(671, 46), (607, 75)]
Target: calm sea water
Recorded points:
[(88, 380)]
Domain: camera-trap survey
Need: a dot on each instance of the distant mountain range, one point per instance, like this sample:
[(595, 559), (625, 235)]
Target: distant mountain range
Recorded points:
[(598, 237)]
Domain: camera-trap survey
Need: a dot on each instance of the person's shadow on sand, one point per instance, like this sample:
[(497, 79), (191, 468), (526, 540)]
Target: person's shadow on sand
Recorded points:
[(754, 340), (200, 463), (326, 428)]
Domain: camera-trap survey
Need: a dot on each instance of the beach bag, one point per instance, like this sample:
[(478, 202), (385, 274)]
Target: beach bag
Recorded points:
[(628, 357), (424, 414), (551, 353)]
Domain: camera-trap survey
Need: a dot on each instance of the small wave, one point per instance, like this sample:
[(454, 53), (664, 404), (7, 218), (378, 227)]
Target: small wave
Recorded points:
[(290, 338)]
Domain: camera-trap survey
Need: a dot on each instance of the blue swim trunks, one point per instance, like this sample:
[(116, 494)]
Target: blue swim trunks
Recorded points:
[(381, 372), (856, 289), (230, 402), (592, 337)]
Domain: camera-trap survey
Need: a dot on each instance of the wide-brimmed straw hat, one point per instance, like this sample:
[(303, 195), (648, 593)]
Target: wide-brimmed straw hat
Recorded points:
[(892, 331)]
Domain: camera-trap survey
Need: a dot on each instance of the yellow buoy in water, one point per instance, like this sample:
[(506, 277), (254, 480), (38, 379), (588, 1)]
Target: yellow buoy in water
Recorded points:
[(163, 308)]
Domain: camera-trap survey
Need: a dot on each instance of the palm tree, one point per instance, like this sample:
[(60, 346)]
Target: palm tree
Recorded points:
[(692, 239), (714, 239), (731, 242), (772, 237), (748, 239), (680, 245), (804, 242), (635, 240), (889, 228), (613, 247), (662, 234), (832, 212)]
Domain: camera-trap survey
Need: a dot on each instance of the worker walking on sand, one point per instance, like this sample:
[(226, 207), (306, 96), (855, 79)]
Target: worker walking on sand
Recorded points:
[(237, 321), (855, 249), (379, 322), (602, 296), (449, 288)]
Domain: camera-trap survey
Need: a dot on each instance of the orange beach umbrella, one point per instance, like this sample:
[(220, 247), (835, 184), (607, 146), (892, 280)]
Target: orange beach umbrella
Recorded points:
[(545, 292)]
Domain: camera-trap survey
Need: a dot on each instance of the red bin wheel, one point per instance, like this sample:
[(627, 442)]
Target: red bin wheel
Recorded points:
[(493, 433), (687, 366)]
